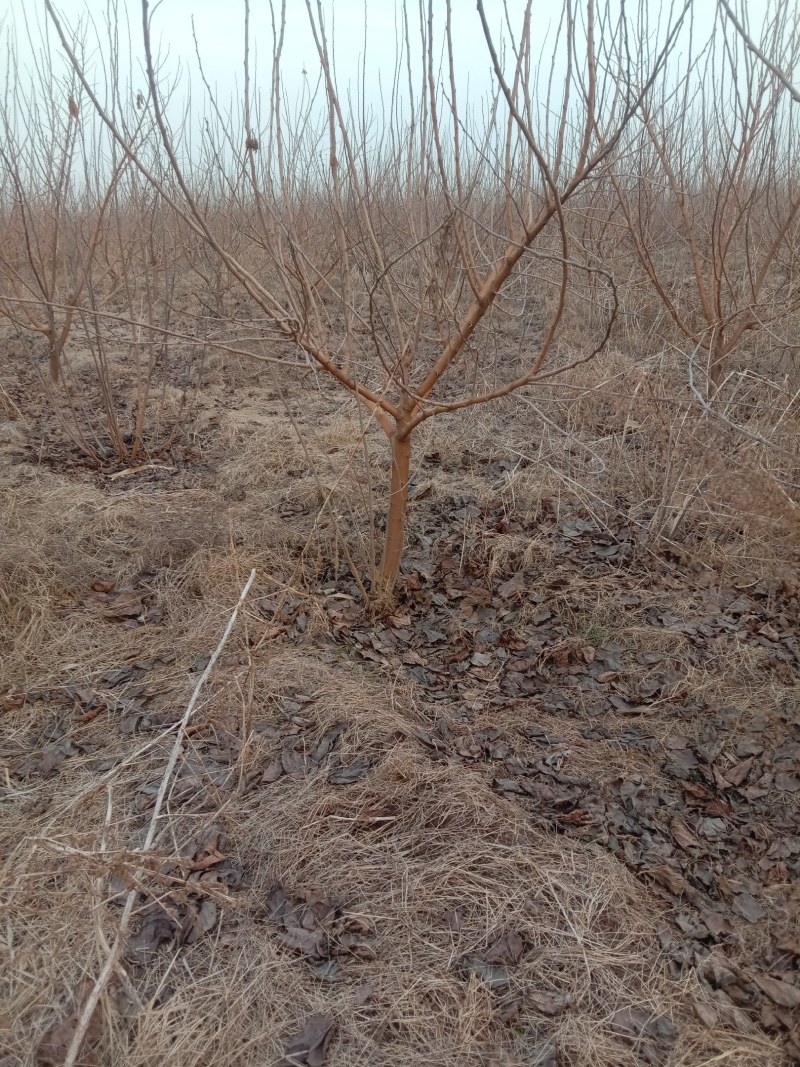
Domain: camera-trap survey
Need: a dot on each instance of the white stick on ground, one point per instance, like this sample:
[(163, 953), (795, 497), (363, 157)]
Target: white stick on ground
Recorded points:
[(116, 951)]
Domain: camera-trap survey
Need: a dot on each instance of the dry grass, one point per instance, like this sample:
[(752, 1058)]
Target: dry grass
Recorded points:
[(627, 438), (413, 845)]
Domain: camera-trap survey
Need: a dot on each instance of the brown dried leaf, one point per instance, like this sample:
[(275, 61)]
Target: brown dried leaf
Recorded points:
[(51, 758), (310, 1045), (495, 977), (124, 605), (670, 879), (732, 1014), (363, 995), (157, 927), (506, 949), (783, 994), (279, 905), (309, 942), (788, 942), (738, 775), (318, 910), (748, 907), (328, 741), (203, 921), (706, 1013), (327, 970), (550, 1003), (635, 1023), (272, 772), (294, 761), (52, 1052), (682, 762), (513, 586), (354, 945), (206, 849), (350, 773), (543, 1054), (684, 836), (718, 925)]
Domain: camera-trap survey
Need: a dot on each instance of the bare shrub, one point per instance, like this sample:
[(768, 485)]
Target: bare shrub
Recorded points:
[(430, 224), (707, 189)]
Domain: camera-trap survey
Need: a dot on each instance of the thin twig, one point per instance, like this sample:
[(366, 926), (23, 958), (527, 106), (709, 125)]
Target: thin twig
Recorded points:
[(709, 410), (113, 957), (758, 52)]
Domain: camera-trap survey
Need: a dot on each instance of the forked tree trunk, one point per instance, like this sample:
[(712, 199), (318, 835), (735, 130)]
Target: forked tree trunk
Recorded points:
[(397, 516), (57, 340)]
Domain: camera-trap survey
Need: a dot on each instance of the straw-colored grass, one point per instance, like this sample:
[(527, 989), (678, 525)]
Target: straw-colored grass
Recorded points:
[(407, 849), (432, 863)]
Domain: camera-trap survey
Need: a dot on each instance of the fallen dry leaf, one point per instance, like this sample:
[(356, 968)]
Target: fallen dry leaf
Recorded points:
[(748, 907), (493, 976), (324, 747), (783, 994), (788, 942), (124, 605), (685, 837), (52, 1052), (550, 1003), (738, 775), (350, 773), (272, 772), (671, 879), (353, 944), (201, 922), (326, 970), (363, 995), (706, 1013), (310, 1045), (506, 949), (636, 1023), (156, 928), (543, 1054), (513, 586), (293, 759), (309, 942), (718, 925), (54, 755)]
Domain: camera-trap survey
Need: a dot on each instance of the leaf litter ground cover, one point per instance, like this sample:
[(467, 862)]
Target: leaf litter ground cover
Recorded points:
[(709, 813), (546, 812)]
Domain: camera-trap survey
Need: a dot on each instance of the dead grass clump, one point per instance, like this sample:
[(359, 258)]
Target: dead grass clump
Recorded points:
[(179, 548), (421, 856), (509, 553), (629, 439)]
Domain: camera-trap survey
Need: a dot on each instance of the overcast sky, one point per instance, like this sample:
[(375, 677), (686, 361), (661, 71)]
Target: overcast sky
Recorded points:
[(219, 28)]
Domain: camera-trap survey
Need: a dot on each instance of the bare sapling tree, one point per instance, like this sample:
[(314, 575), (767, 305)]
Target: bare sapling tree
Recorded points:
[(53, 203), (83, 233), (382, 240), (707, 186), (742, 24)]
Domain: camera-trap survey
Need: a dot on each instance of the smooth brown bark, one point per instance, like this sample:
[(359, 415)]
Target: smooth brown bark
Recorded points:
[(398, 514), (55, 364), (717, 363)]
